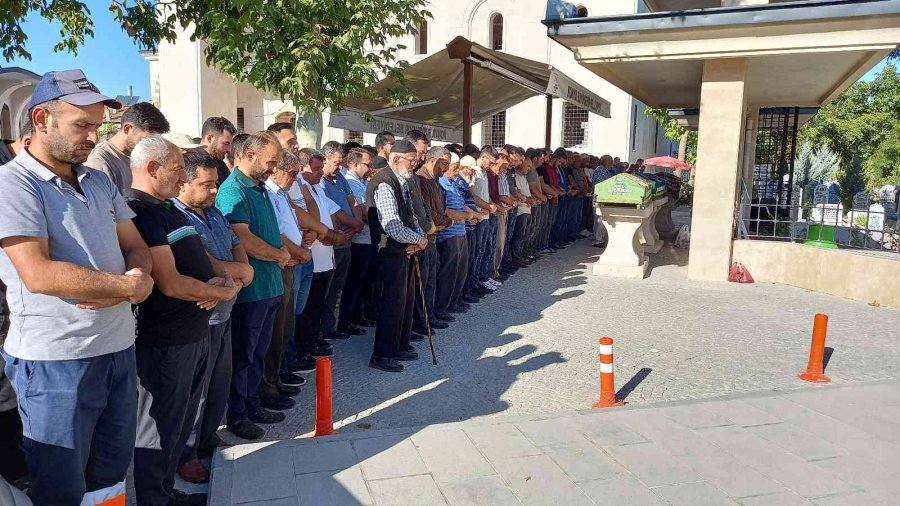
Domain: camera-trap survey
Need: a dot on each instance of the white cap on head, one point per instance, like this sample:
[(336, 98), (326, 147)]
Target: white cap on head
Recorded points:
[(468, 161), (181, 141), (454, 158)]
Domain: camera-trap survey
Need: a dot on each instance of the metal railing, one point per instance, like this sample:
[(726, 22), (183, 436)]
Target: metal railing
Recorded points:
[(866, 229)]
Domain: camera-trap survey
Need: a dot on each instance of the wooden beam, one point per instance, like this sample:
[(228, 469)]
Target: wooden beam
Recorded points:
[(468, 70), (548, 126)]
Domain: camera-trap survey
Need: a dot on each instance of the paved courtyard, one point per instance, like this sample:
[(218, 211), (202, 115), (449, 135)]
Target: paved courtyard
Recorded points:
[(531, 348), (834, 445)]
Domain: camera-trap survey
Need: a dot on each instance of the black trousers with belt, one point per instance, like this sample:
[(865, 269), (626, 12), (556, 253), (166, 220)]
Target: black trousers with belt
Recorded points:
[(395, 313), (362, 256)]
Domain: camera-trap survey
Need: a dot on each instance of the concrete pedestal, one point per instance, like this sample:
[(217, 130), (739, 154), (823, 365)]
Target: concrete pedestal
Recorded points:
[(624, 255), (649, 236), (664, 224)]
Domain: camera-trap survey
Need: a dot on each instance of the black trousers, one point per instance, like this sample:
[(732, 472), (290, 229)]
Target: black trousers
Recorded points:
[(171, 383), (281, 334), (428, 263), (214, 397), (395, 313), (452, 273), (361, 259), (520, 235), (308, 328), (12, 465)]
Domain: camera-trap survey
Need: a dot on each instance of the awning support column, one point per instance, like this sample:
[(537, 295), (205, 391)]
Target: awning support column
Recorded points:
[(468, 71), (549, 121)]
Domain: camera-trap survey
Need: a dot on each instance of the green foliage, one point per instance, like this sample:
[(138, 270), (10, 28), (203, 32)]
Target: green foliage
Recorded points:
[(820, 164), (852, 181), (883, 166), (861, 128), (316, 53), (674, 131)]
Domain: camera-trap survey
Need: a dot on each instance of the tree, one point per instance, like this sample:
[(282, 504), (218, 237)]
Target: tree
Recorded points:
[(675, 131), (852, 180), (317, 53), (883, 167), (860, 127), (819, 164)]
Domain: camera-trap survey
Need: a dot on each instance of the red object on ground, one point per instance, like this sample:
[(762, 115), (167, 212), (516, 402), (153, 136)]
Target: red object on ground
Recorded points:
[(324, 419), (739, 274), (815, 371), (607, 380), (667, 161)]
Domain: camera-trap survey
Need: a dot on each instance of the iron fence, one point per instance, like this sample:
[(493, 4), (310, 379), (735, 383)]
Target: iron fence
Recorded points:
[(823, 223)]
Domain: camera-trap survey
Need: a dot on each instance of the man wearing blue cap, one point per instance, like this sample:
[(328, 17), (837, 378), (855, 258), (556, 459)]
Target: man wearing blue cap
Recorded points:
[(74, 263)]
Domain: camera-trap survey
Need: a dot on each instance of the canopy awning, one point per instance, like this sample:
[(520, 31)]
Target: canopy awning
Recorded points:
[(499, 81)]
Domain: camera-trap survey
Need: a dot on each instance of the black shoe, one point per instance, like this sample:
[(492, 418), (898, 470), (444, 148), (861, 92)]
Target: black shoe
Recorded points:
[(280, 403), (365, 322), (305, 364), (290, 379), (353, 331), (265, 416), (482, 291), (179, 498), (322, 352), (415, 337), (437, 324), (458, 310), (385, 364), (325, 345), (339, 335), (444, 317), (471, 300), (245, 429), (464, 305), (288, 391), (406, 356)]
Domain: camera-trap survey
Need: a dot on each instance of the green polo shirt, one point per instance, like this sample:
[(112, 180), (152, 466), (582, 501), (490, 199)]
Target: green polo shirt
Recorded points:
[(242, 200)]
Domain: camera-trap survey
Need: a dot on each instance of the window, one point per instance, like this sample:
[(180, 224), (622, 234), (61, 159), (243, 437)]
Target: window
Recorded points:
[(6, 123), (581, 12), (497, 31), (422, 38), (354, 136), (240, 120), (575, 126), (493, 130)]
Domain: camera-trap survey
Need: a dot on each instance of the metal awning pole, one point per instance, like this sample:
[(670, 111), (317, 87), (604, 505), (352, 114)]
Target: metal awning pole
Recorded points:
[(549, 121), (468, 70)]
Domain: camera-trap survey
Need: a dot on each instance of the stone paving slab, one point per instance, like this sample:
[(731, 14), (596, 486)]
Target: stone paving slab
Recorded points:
[(666, 454), (531, 349)]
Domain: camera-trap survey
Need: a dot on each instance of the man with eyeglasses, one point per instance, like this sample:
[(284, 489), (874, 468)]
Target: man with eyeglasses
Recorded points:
[(275, 393), (362, 250), (394, 216)]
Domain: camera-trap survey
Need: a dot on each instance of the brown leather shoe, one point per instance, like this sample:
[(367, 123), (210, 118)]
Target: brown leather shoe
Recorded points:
[(193, 471)]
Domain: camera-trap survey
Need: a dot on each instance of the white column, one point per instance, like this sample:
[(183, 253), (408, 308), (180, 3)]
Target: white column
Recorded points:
[(722, 105)]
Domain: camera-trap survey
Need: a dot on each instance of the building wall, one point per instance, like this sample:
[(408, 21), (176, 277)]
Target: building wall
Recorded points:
[(524, 35)]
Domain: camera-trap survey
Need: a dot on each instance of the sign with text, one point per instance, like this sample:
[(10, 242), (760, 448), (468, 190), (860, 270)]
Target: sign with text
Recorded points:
[(570, 91), (352, 119)]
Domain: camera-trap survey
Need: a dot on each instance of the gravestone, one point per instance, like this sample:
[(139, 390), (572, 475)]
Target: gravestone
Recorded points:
[(832, 214), (887, 198), (834, 193), (796, 199), (861, 201), (876, 218), (819, 199)]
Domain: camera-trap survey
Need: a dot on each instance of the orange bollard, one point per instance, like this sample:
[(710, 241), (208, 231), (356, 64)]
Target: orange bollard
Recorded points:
[(324, 419), (607, 381), (815, 371)]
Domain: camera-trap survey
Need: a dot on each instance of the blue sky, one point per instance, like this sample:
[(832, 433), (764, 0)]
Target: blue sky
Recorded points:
[(110, 60), (875, 70)]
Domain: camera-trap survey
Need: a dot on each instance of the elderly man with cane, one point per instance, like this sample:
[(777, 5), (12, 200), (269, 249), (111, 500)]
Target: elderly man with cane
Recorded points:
[(393, 215)]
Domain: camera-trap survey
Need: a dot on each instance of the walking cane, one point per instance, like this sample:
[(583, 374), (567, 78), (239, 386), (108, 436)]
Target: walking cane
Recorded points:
[(425, 309)]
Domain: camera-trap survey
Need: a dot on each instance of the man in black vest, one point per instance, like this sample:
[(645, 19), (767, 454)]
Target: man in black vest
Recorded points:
[(392, 214)]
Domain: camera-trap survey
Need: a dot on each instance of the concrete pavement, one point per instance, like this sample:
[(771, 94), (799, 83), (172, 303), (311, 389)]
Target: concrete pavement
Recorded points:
[(828, 445)]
